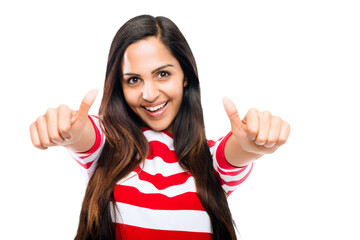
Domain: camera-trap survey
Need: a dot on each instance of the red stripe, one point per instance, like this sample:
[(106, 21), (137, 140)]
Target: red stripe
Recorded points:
[(136, 233), (230, 192), (211, 143), (233, 183), (131, 195), (161, 182), (94, 148), (86, 166), (232, 173), (220, 154), (159, 149), (238, 182)]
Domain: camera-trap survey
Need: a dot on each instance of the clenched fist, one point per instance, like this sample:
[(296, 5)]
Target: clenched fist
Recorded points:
[(63, 127), (258, 132)]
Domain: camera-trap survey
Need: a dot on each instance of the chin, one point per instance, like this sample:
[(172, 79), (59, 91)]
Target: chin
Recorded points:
[(158, 127)]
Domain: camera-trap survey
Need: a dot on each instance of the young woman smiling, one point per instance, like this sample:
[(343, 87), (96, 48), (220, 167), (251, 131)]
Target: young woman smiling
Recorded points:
[(152, 172)]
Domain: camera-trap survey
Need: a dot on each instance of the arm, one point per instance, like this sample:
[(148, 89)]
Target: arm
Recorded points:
[(88, 159), (257, 134), (230, 176)]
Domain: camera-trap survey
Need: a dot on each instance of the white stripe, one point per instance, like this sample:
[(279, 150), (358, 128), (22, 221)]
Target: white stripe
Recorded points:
[(161, 137), (87, 173), (132, 180), (85, 158), (94, 157), (224, 169), (213, 151), (228, 178), (175, 220), (229, 188), (157, 165), (216, 164)]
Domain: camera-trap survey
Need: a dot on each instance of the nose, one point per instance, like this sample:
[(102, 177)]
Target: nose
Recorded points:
[(149, 91)]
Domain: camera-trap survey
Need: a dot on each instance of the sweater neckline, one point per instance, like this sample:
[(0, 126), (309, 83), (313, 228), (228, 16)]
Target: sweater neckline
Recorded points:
[(162, 131)]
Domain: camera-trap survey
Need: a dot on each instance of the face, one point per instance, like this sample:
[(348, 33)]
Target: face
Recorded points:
[(153, 83)]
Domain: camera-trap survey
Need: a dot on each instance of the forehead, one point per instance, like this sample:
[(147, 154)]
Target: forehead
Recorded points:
[(146, 55)]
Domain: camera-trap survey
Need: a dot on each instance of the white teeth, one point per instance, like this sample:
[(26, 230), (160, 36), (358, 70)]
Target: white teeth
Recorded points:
[(153, 109)]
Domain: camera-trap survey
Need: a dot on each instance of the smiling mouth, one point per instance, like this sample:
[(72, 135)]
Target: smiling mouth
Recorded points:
[(156, 108)]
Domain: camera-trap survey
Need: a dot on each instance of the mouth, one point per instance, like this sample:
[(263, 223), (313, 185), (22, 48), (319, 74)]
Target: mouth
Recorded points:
[(155, 108)]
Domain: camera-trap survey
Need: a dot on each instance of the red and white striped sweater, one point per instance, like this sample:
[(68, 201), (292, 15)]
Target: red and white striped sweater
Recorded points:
[(158, 199)]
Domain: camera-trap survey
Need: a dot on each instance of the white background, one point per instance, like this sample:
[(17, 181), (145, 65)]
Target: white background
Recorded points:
[(298, 59)]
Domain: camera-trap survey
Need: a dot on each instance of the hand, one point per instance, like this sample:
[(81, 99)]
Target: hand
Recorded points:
[(61, 126), (259, 132)]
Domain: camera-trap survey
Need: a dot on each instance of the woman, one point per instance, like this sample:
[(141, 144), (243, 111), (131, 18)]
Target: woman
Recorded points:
[(152, 173)]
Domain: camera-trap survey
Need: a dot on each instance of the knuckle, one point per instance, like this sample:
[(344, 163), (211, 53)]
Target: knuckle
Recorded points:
[(253, 110), (39, 120), (286, 125), (46, 143), (54, 138), (38, 145), (253, 132), (271, 141), (267, 114), (260, 141), (277, 119), (64, 129), (281, 141), (49, 111), (268, 146), (63, 107)]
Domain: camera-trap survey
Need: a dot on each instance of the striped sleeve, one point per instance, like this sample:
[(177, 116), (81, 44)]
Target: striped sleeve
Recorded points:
[(230, 177), (88, 159)]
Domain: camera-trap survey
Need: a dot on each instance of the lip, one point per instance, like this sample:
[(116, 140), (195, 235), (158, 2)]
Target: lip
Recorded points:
[(157, 113), (154, 104)]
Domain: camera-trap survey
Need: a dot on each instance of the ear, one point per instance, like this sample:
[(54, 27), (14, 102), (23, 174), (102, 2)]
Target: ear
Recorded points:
[(185, 81)]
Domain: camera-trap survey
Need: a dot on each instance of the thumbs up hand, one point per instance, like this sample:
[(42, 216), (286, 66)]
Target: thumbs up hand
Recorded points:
[(62, 126), (258, 132)]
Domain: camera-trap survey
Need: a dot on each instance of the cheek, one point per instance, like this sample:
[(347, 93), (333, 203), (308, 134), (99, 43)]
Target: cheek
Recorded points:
[(130, 98), (179, 93), (175, 91)]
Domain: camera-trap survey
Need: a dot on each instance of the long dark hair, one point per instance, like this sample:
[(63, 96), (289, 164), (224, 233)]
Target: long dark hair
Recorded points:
[(126, 146)]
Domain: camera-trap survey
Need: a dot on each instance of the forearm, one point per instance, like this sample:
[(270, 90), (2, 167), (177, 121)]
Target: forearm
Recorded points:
[(236, 155)]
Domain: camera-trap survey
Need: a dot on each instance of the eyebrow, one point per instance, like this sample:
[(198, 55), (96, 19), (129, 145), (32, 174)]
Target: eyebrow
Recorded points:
[(154, 71), (162, 67)]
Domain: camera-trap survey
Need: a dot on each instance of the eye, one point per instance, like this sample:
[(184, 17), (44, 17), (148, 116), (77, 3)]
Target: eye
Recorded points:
[(163, 74), (133, 80)]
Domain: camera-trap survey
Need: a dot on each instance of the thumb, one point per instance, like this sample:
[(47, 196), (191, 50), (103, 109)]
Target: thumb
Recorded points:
[(85, 105), (231, 111)]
